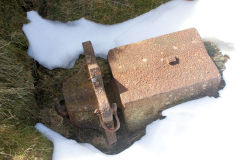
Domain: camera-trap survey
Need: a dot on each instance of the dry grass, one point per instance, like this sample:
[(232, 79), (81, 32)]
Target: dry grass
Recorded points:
[(101, 11), (18, 110)]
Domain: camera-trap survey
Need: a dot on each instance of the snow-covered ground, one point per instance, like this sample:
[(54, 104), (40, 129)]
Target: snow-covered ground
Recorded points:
[(207, 128)]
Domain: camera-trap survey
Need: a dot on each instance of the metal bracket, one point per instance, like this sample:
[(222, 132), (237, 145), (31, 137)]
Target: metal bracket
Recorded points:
[(114, 112), (104, 111)]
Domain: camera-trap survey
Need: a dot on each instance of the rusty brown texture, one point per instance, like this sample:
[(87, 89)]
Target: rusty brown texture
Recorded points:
[(86, 102), (156, 73), (80, 101), (105, 111)]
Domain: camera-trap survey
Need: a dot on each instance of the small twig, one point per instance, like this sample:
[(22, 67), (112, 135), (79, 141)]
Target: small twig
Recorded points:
[(30, 148), (5, 154)]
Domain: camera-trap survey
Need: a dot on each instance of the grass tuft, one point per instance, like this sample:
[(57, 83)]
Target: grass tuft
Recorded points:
[(18, 109), (101, 11)]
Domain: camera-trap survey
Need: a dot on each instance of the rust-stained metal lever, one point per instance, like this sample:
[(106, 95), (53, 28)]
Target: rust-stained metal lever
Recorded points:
[(104, 111), (114, 112)]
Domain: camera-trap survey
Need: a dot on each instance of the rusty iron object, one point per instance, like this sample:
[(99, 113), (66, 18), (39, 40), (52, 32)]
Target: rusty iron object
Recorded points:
[(157, 73), (85, 99), (148, 77), (105, 112), (80, 102)]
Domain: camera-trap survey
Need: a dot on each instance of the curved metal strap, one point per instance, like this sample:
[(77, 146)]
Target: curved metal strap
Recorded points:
[(114, 112)]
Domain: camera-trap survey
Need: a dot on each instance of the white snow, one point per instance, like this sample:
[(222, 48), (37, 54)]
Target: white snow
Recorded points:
[(207, 128)]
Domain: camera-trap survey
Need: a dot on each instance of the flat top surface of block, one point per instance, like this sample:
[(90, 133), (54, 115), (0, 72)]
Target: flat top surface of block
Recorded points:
[(161, 64)]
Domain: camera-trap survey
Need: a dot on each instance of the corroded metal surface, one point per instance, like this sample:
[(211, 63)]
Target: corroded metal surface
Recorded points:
[(105, 111), (86, 102), (80, 101), (153, 74)]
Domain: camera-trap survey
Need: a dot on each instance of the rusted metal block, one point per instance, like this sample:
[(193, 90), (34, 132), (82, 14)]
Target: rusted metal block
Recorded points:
[(85, 99), (154, 74), (80, 101)]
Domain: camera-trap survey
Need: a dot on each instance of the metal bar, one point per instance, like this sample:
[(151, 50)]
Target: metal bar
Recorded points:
[(104, 109)]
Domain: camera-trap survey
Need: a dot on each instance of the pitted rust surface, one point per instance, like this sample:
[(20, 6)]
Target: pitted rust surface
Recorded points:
[(155, 73), (105, 111), (86, 102), (80, 102)]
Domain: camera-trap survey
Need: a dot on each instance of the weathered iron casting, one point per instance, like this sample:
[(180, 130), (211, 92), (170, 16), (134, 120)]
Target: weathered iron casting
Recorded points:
[(88, 101), (149, 76), (154, 74), (105, 112)]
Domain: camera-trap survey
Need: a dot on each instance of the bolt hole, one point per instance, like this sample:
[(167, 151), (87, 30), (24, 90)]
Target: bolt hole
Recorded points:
[(62, 102), (176, 61)]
